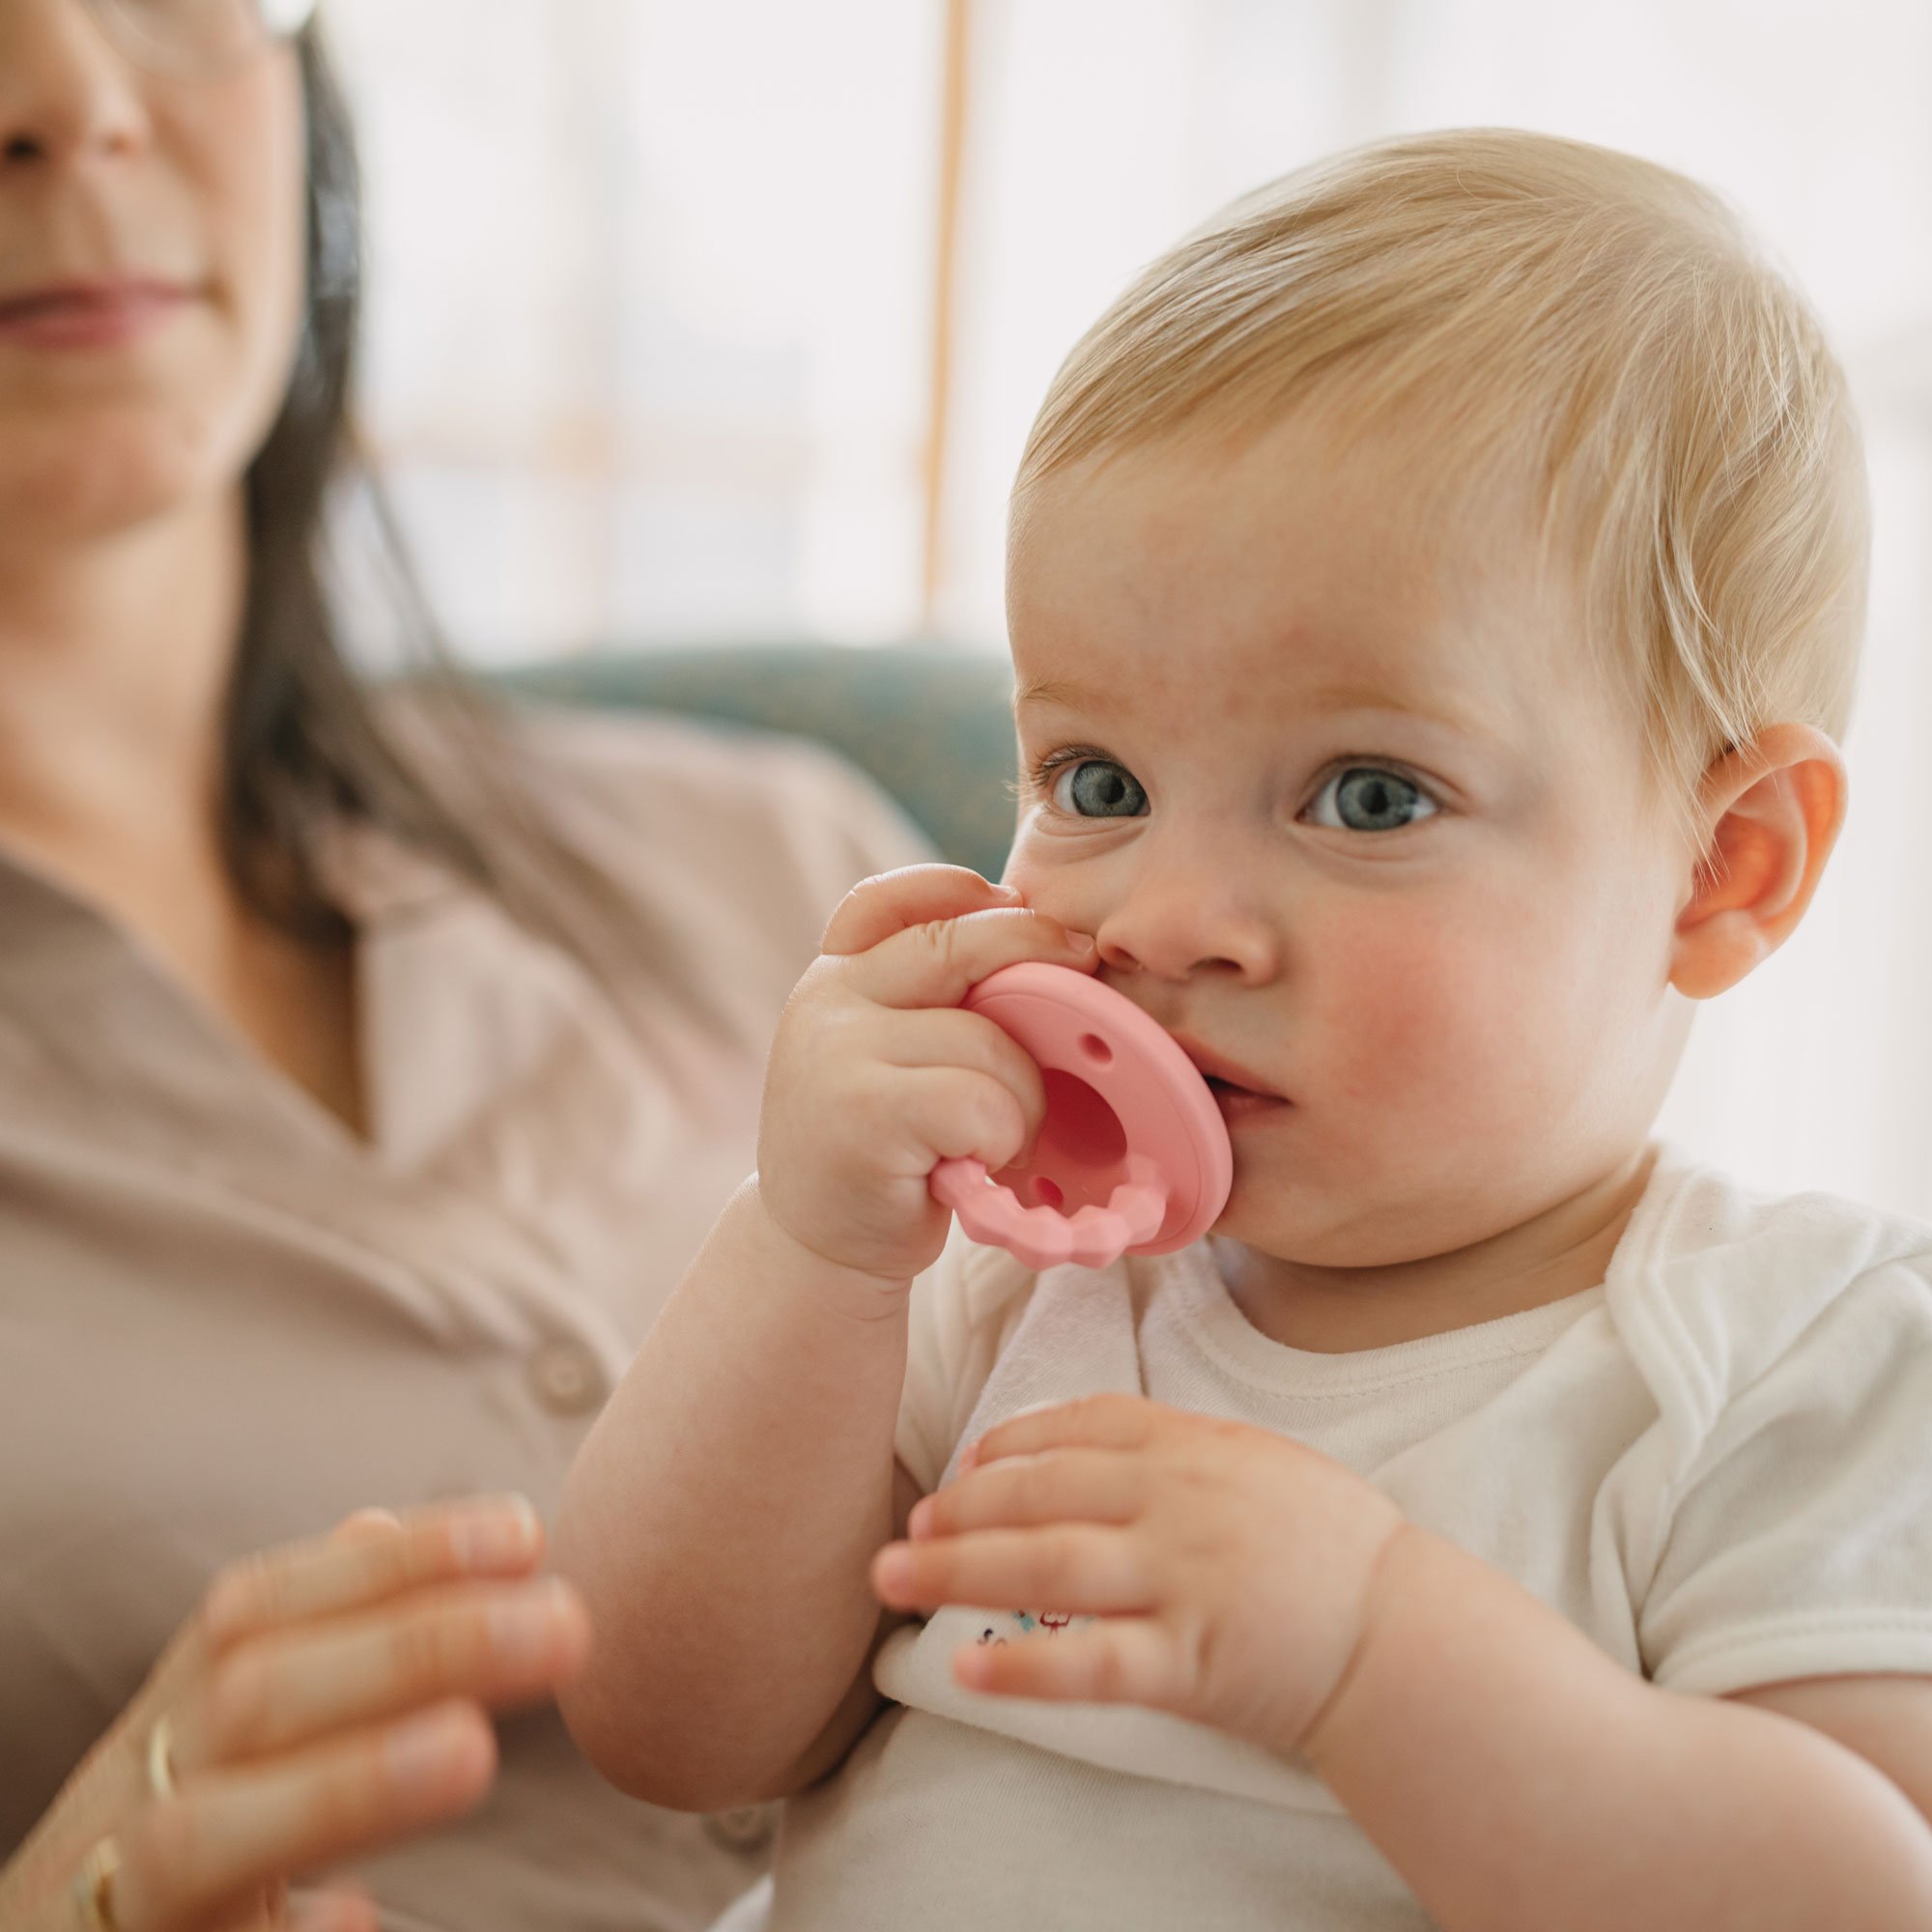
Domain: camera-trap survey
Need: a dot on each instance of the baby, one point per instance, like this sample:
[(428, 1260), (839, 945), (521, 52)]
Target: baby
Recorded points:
[(1435, 593)]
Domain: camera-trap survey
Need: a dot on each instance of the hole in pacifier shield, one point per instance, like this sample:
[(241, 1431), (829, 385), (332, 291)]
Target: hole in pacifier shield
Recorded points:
[(1081, 1154)]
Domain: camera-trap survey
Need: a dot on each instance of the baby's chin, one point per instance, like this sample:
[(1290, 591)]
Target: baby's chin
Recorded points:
[(1266, 1212), (1272, 1214)]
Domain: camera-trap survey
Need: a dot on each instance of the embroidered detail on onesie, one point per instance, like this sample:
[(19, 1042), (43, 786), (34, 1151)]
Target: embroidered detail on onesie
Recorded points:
[(1052, 1622)]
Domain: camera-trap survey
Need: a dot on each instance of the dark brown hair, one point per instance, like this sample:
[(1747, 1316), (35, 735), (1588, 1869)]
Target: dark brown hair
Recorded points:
[(305, 741), (301, 741)]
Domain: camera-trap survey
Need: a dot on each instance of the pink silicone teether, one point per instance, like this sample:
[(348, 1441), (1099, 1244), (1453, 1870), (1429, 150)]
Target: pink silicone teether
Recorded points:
[(1134, 1155)]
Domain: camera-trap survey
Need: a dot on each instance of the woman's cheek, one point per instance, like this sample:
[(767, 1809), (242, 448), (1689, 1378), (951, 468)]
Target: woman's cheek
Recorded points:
[(244, 145)]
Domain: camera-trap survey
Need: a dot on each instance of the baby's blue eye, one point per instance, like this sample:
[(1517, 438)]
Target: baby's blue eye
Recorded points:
[(1098, 788), (1368, 799)]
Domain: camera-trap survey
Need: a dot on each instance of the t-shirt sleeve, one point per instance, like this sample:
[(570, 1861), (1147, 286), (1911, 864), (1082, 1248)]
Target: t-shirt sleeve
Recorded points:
[(1801, 1545)]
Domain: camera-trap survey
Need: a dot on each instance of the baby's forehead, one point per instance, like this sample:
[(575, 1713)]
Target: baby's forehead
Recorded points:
[(1286, 559), (1415, 510)]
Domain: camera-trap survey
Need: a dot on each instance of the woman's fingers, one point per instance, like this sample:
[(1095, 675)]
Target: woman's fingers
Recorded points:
[(264, 1911), (340, 1909), (367, 1561), (497, 1643), (366, 1524), (876, 908), (256, 1747), (276, 1909), (230, 1832)]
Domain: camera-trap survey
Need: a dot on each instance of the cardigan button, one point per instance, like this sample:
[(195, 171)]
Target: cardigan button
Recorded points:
[(567, 1378), (746, 1828)]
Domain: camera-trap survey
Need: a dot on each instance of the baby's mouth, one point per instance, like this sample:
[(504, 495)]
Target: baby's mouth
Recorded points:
[(1236, 1092), (1240, 1103)]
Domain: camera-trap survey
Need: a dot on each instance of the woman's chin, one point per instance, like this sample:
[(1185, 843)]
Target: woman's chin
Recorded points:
[(101, 470)]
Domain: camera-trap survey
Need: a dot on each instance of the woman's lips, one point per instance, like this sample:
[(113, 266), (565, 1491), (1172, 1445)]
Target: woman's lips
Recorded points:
[(102, 315)]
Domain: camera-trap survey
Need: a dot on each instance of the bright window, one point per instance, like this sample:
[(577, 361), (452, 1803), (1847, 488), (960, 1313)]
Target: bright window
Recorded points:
[(653, 343)]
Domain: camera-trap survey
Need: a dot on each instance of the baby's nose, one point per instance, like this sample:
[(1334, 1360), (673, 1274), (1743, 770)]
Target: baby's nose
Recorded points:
[(1187, 919)]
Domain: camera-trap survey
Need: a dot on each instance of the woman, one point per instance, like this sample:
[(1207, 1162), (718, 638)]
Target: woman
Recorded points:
[(369, 1069)]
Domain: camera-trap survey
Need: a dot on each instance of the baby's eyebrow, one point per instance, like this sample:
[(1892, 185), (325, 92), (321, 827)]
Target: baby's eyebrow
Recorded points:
[(1066, 692), (1431, 710), (1074, 696)]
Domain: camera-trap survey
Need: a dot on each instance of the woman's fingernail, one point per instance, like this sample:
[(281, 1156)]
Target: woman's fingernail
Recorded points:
[(503, 1531), (423, 1751), (369, 1521), (1080, 942), (326, 1912), (524, 1630), (893, 1568)]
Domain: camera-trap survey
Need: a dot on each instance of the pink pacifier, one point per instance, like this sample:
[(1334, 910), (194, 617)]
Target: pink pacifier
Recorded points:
[(1133, 1157)]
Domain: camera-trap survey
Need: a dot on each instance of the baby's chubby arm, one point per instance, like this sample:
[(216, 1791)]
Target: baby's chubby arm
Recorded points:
[(721, 1517), (1520, 1777)]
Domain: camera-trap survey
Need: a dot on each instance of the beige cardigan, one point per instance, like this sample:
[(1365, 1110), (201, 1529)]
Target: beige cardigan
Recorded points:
[(226, 1322)]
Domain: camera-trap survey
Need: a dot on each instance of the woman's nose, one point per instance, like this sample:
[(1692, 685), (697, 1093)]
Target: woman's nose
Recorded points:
[(66, 94), (1190, 911)]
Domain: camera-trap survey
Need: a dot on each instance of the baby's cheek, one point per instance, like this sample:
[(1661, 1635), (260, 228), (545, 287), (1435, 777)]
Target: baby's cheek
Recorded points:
[(1068, 882), (1436, 1017)]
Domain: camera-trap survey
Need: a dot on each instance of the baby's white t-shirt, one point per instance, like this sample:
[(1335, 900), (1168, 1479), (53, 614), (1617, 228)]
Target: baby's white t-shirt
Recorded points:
[(1718, 1464)]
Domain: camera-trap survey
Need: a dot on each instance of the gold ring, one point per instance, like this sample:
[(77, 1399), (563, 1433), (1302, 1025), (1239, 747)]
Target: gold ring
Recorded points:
[(162, 1758), (94, 1887)]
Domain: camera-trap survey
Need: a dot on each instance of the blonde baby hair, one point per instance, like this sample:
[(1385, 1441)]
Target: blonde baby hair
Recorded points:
[(1591, 325)]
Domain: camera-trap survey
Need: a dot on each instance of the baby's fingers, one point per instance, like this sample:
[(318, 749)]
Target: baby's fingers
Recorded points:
[(1120, 1660), (1080, 1568), (937, 963), (951, 1036), (1060, 1485), (949, 1114), (876, 908)]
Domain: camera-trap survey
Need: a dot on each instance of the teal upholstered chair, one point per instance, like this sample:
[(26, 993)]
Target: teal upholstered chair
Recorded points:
[(929, 722)]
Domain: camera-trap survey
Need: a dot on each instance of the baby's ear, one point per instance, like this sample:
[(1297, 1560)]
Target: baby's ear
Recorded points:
[(1772, 809)]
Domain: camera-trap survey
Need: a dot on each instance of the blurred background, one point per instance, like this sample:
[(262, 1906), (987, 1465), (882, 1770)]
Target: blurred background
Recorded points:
[(713, 324)]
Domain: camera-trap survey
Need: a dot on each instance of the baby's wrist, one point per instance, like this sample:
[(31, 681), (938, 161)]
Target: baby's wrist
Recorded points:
[(1404, 1543), (853, 1292)]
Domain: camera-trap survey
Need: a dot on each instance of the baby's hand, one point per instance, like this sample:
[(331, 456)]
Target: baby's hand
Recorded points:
[(876, 1074), (1227, 1568)]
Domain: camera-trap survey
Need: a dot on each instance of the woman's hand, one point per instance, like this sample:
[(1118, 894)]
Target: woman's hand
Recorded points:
[(326, 1698), (876, 1075), (1207, 1568)]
